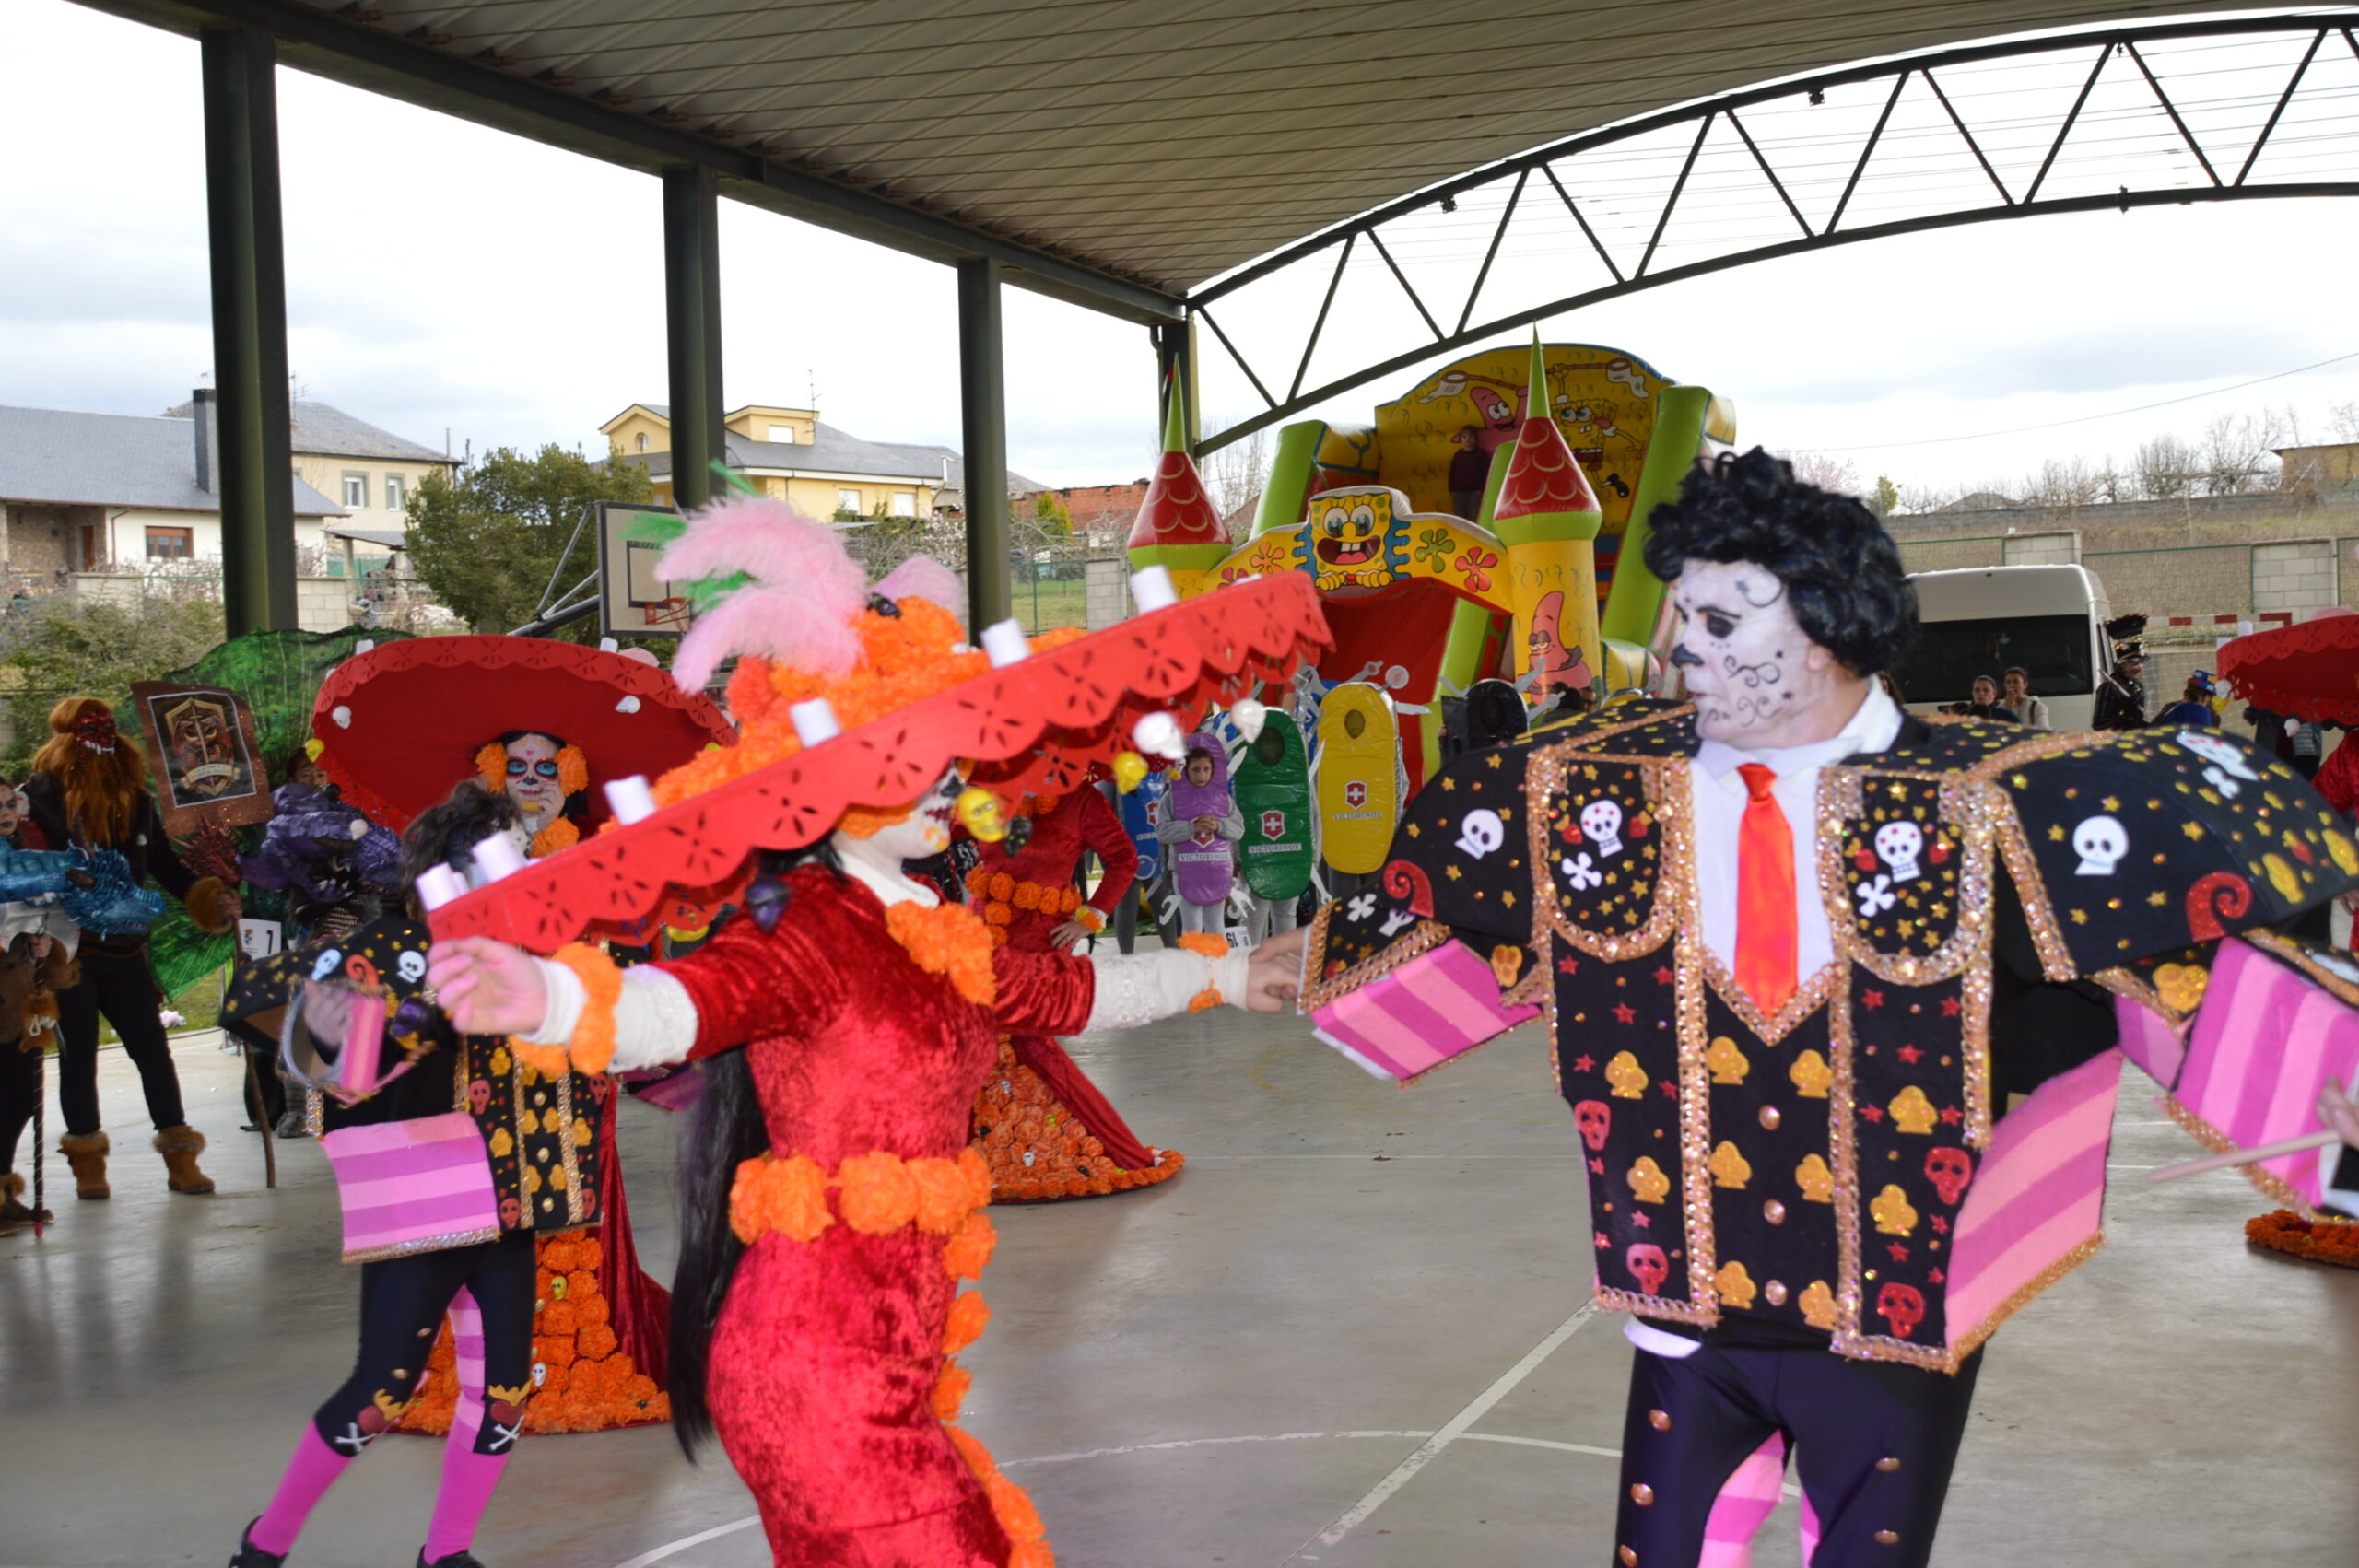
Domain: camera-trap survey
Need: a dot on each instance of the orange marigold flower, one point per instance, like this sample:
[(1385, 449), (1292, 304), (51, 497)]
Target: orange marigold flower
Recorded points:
[(572, 769), (951, 1392), (969, 1249), (968, 1316), (1001, 888), (876, 1193), (944, 1196), (1210, 946), (557, 1317), (998, 914), (749, 694), (947, 941), (1027, 895), (491, 766), (1014, 1509), (549, 1061), (978, 1172), (555, 1353), (596, 1341), (788, 1196), (1031, 1554), (977, 1457)]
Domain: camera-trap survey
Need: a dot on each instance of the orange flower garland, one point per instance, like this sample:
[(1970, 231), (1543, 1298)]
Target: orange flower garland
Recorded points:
[(1004, 895), (593, 1045), (877, 1194), (559, 834), (1017, 1115), (948, 939), (1207, 945), (491, 766), (2320, 1241)]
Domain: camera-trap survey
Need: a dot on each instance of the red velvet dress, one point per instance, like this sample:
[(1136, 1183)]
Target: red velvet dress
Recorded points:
[(826, 1352), (1046, 1128)]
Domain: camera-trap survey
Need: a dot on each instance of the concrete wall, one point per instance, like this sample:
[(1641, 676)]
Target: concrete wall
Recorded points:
[(2298, 575), (1106, 591)]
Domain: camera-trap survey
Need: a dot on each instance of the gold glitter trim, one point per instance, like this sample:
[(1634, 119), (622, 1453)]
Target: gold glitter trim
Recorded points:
[(1663, 784), (1974, 810), (1535, 986), (2055, 958), (1420, 939), (443, 1243), (2137, 988), (314, 1113), (566, 1155), (1696, 1115), (1807, 999), (2305, 959), (1603, 731), (2022, 1298), (1843, 1147), (1612, 1300), (2269, 1184)]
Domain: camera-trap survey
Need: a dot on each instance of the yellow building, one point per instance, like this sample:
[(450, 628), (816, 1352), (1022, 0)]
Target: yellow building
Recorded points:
[(790, 453)]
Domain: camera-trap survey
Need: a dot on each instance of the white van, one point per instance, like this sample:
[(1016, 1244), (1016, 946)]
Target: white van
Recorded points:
[(2050, 620)]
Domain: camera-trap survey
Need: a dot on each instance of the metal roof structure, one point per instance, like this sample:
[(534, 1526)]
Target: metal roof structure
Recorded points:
[(1116, 152), (58, 457), (321, 429)]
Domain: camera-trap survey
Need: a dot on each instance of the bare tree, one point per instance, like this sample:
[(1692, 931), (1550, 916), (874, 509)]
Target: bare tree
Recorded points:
[(2237, 456), (1825, 471), (2343, 420), (2166, 468), (1235, 474)]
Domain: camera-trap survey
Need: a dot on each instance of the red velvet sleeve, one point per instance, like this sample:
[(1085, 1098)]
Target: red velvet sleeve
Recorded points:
[(748, 986), (1043, 993), (2338, 778), (1102, 833)]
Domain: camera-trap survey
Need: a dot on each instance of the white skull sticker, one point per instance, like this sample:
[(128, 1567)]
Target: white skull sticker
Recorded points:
[(1601, 821), (1900, 844), (2227, 761), (329, 961), (1875, 898), (1580, 871), (411, 965), (2101, 842), (1481, 833)]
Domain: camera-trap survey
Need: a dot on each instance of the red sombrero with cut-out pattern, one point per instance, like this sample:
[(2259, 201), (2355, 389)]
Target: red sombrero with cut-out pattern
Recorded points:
[(400, 725), (805, 625)]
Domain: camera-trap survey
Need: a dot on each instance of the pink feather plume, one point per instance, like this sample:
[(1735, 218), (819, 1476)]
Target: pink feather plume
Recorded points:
[(797, 609), (922, 577)]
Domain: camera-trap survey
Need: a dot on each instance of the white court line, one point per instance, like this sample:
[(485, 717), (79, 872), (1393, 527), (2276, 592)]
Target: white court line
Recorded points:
[(672, 1548), (1451, 1430)]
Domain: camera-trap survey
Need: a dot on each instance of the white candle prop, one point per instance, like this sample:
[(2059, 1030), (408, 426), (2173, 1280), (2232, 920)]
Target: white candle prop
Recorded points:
[(1151, 589), (1004, 644), (815, 722), (436, 885), (630, 799), (1158, 734), (1249, 717), (497, 857)]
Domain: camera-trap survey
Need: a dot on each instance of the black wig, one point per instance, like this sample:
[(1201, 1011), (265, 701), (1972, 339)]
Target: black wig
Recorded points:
[(1842, 569), (725, 1128), (446, 834)]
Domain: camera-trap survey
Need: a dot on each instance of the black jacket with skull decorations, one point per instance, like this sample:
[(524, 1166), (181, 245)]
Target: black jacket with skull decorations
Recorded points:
[(1851, 1173), (543, 1136)]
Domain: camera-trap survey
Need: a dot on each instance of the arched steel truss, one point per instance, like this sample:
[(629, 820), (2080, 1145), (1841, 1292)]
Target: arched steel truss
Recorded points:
[(1556, 174)]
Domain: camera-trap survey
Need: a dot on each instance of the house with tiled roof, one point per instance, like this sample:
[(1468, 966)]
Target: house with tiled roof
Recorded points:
[(370, 472), (792, 454)]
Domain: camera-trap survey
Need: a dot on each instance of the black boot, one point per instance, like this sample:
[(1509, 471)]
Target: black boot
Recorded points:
[(249, 1555), (456, 1560)]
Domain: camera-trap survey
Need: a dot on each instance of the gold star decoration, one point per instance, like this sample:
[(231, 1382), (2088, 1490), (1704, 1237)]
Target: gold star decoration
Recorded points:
[(2192, 828)]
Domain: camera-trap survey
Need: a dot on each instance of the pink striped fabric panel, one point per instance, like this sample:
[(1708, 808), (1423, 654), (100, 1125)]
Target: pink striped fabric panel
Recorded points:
[(1810, 1532), (1438, 1005), (466, 1346), (2267, 1040), (402, 1183), (1745, 1504), (2040, 1193), (2150, 1040)]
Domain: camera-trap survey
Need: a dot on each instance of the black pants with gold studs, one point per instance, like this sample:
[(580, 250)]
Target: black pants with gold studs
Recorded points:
[(1706, 1443)]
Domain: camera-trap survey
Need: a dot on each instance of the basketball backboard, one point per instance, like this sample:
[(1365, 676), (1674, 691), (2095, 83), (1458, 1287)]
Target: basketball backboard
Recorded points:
[(633, 601)]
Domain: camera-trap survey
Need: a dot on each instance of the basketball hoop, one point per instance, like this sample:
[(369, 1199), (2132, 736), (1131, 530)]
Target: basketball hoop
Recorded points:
[(668, 612)]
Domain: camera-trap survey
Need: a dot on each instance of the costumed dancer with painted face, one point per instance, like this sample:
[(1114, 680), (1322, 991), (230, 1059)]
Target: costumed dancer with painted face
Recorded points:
[(537, 723), (844, 1022), (1201, 827), (1839, 999), (453, 1161), (88, 789), (37, 943), (1047, 1131)]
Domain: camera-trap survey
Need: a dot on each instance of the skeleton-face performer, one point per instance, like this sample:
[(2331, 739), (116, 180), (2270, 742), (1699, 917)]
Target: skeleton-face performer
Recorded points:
[(532, 780), (923, 830), (1757, 680)]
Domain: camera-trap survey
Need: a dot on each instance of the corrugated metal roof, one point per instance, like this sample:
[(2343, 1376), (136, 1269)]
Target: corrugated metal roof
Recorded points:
[(1163, 143), (62, 458), (384, 538)]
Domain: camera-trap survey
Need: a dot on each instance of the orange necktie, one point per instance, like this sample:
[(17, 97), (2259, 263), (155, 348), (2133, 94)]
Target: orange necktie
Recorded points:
[(1766, 939)]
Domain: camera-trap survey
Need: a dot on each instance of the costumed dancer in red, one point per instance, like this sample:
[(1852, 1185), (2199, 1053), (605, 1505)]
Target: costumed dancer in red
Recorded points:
[(1046, 1129), (399, 725), (844, 1023)]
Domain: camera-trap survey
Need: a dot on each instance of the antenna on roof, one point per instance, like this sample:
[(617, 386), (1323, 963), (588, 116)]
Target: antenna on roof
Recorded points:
[(811, 377)]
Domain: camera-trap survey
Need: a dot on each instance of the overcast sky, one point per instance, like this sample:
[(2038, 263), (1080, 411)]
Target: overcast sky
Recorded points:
[(441, 276)]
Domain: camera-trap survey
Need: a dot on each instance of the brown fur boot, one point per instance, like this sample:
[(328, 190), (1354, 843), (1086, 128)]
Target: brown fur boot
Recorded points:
[(14, 1212), (180, 1146), (86, 1153)]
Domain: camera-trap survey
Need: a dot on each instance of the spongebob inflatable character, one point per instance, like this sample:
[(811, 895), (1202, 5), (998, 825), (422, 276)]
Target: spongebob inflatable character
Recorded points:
[(1349, 533)]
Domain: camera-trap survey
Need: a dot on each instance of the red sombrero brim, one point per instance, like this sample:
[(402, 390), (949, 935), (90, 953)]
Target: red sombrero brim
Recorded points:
[(400, 725), (1032, 727), (2307, 670)]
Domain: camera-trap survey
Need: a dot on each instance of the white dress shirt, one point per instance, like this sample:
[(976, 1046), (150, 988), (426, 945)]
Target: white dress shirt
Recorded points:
[(1720, 800)]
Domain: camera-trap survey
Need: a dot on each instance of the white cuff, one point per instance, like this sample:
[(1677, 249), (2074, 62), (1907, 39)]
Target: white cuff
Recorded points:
[(1143, 987), (656, 1020), (1655, 1341)]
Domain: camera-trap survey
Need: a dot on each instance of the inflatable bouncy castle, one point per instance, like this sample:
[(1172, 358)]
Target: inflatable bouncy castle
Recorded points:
[(1475, 530)]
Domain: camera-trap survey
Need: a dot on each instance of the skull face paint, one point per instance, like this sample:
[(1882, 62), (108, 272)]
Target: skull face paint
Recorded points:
[(532, 780), (1756, 679), (925, 831)]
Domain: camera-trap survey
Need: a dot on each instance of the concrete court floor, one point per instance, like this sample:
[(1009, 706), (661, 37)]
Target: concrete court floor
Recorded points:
[(1351, 1334)]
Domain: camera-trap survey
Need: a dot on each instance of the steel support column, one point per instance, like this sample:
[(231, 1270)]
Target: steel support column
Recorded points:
[(1175, 371), (982, 399), (254, 475), (692, 330)]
